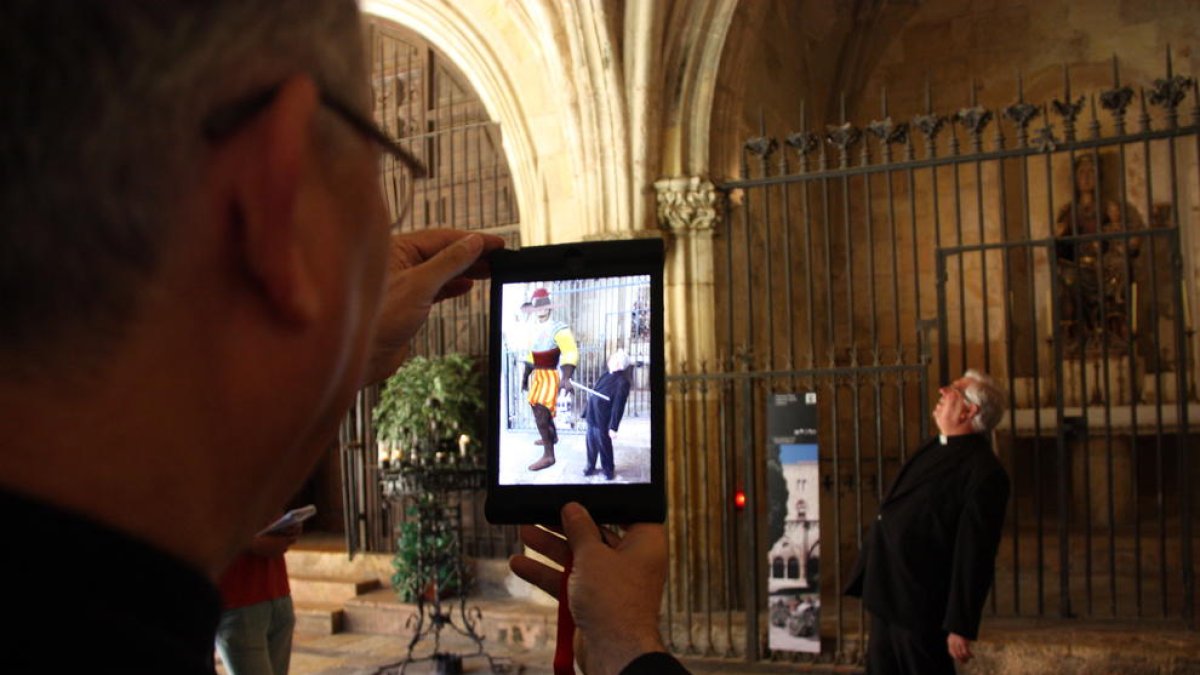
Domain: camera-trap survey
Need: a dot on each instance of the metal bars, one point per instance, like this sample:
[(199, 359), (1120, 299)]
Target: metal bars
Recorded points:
[(1059, 261), (427, 106)]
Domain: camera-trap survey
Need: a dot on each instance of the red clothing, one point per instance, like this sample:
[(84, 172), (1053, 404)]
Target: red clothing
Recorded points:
[(251, 579)]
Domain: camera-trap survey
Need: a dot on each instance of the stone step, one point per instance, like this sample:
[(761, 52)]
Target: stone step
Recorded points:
[(329, 590), (318, 618), (336, 564), (509, 622)]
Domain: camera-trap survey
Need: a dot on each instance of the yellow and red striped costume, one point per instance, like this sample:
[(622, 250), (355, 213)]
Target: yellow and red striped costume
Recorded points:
[(553, 345)]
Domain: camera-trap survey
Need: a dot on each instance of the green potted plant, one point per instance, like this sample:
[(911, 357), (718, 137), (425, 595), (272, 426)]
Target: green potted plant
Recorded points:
[(427, 562), (430, 412), (428, 405)]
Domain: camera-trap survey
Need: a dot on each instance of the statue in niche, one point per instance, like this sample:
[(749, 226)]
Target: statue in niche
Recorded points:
[(1094, 275)]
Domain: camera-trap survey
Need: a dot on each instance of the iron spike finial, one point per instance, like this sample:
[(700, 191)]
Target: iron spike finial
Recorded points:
[(1044, 140), (1116, 73)]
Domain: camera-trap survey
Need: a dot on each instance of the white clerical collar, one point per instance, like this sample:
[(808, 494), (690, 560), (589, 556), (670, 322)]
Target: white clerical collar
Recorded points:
[(942, 439)]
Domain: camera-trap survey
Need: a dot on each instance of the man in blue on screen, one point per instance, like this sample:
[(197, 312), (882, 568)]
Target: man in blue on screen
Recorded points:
[(603, 414)]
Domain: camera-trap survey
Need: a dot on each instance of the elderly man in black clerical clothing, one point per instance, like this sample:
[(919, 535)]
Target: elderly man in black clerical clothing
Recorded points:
[(929, 559), (604, 413)]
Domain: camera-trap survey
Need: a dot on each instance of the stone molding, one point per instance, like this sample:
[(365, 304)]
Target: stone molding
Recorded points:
[(686, 204)]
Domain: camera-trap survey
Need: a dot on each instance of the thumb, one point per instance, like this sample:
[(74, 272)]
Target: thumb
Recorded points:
[(579, 527), (451, 262)]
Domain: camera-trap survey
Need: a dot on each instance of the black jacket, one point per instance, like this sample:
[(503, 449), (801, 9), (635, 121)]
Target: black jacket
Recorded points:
[(929, 558), (608, 414), (655, 663), (92, 599)]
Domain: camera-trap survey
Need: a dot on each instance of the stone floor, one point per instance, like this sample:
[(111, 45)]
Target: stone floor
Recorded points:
[(631, 456), (357, 654), (1024, 647), (520, 633)]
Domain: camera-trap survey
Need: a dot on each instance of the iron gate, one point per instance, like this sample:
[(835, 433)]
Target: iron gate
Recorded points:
[(851, 267), (1100, 432), (428, 107)]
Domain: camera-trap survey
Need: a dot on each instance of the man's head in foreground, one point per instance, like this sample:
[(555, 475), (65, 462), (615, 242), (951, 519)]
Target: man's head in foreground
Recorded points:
[(193, 258)]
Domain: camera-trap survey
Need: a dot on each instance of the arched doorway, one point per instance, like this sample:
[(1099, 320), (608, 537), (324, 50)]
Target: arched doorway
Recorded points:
[(424, 103)]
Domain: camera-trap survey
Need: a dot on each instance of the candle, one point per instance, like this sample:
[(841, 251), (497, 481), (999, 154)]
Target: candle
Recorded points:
[(1134, 307), (463, 440), (1049, 316), (1187, 309)]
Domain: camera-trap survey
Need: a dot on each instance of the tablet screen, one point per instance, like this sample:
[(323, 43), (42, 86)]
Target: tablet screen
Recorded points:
[(575, 403), (576, 399)]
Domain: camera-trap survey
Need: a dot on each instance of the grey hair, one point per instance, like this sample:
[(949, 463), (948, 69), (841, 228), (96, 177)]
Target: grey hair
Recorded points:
[(618, 358), (985, 394), (101, 143)]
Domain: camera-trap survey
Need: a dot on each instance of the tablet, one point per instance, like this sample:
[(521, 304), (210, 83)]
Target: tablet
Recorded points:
[(576, 404)]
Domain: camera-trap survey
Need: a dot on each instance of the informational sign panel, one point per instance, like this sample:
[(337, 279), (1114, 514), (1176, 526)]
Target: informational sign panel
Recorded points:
[(793, 523)]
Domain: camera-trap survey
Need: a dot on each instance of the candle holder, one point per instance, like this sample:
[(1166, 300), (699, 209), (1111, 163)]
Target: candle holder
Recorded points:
[(430, 563)]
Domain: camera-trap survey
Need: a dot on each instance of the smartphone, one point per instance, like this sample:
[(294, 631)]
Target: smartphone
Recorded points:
[(293, 517), (576, 393)]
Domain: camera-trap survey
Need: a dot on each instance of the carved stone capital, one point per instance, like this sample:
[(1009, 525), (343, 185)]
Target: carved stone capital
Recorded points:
[(687, 204)]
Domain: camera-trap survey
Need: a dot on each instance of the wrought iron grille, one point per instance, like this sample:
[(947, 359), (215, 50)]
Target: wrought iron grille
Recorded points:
[(604, 315), (423, 102), (869, 263)]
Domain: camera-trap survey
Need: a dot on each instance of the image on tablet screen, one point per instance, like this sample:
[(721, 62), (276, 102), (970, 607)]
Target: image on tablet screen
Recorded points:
[(575, 382)]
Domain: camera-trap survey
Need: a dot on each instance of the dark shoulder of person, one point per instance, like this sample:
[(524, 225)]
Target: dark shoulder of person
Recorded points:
[(655, 663)]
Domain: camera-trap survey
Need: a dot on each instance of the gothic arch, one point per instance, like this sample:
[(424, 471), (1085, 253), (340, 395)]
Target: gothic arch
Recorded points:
[(544, 71)]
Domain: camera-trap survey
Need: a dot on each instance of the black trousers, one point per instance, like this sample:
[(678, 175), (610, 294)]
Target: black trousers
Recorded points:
[(893, 650), (599, 444)]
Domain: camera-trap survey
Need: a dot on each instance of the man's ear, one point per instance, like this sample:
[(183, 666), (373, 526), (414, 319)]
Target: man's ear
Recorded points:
[(972, 410), (275, 148)]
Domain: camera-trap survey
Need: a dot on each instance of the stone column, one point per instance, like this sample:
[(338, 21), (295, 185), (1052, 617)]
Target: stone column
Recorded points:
[(687, 211)]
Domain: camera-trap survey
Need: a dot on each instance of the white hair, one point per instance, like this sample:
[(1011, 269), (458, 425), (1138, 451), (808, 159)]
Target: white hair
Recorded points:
[(982, 391), (618, 361)]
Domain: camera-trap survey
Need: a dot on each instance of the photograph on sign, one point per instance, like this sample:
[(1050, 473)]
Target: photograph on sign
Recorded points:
[(794, 527)]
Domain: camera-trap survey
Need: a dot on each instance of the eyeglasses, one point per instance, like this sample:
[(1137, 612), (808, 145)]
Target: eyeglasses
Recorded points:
[(962, 393), (222, 123)]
